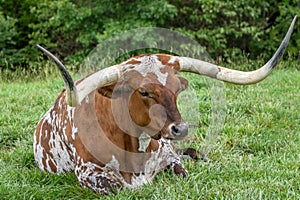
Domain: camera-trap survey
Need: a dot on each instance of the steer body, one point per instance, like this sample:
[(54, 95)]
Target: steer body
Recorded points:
[(100, 138)]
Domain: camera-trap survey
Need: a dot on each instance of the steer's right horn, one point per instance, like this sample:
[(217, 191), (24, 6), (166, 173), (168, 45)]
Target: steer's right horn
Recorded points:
[(235, 76)]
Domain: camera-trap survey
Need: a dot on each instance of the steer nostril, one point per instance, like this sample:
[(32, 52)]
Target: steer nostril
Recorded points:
[(175, 130), (179, 130)]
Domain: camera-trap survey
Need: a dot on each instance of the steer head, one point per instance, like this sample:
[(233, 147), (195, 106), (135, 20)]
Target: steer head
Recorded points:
[(150, 103)]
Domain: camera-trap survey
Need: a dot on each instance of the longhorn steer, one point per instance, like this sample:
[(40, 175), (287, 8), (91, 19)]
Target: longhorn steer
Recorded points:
[(113, 128)]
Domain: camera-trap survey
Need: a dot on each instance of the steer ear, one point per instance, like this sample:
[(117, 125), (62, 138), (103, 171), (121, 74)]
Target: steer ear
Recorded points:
[(183, 83), (114, 90), (107, 89)]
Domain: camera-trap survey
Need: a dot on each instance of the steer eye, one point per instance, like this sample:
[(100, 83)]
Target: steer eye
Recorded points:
[(144, 93)]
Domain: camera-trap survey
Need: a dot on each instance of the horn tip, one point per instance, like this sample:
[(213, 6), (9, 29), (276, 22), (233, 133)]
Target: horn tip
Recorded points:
[(40, 47), (294, 20)]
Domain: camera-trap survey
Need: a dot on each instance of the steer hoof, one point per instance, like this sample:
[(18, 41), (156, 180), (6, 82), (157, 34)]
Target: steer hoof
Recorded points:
[(179, 170), (192, 154)]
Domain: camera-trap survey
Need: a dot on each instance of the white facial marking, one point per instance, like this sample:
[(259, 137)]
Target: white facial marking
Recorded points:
[(151, 64)]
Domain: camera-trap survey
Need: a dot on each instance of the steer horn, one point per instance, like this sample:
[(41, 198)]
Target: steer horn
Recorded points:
[(72, 94), (234, 76), (76, 93)]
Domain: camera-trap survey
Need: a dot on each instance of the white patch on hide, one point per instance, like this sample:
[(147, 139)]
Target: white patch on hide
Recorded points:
[(144, 141), (60, 155), (74, 132), (173, 60), (38, 154), (71, 113), (113, 163)]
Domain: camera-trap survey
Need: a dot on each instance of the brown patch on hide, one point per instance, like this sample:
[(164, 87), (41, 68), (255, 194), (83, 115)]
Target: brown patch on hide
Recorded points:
[(133, 61), (165, 60)]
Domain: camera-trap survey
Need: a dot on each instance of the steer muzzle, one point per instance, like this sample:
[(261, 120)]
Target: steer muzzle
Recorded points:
[(178, 131)]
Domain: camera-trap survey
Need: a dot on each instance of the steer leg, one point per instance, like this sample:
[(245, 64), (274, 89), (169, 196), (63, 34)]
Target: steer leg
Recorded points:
[(179, 170), (92, 176), (174, 159), (192, 154)]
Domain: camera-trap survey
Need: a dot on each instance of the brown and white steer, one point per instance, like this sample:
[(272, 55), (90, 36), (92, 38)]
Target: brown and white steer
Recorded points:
[(114, 127)]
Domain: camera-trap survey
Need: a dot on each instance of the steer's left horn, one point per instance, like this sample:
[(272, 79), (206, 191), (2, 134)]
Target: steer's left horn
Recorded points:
[(234, 76), (72, 94), (75, 94)]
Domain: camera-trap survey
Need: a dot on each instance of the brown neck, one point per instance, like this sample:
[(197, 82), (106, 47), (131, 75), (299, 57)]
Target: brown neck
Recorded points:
[(113, 120)]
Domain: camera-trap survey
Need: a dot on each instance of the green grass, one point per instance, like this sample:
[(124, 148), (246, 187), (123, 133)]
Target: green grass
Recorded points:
[(256, 154)]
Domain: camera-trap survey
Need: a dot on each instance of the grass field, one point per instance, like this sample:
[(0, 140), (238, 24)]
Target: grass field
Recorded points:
[(256, 154)]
